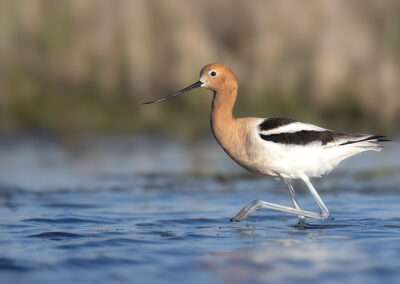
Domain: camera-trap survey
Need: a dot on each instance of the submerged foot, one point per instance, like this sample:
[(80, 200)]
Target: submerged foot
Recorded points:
[(302, 221), (329, 218), (326, 216)]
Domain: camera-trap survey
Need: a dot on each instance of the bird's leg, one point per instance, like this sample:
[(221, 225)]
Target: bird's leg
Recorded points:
[(324, 210), (302, 219), (259, 204)]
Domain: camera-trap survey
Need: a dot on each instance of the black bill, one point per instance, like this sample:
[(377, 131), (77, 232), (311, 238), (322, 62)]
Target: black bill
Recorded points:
[(193, 86)]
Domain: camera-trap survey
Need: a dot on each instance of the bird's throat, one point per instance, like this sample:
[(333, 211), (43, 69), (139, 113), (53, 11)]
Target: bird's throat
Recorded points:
[(222, 119)]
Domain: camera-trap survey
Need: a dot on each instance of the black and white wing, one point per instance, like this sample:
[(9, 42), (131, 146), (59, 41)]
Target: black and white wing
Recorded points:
[(291, 132)]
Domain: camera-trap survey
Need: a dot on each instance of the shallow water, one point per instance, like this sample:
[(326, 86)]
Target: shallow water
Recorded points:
[(120, 211)]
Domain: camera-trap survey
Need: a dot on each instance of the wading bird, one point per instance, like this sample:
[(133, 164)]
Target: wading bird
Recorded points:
[(279, 147)]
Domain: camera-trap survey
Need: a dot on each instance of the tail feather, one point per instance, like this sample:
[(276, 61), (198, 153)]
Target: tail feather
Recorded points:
[(370, 138)]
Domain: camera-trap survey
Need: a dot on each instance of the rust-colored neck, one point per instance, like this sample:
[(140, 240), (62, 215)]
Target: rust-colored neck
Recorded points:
[(222, 119)]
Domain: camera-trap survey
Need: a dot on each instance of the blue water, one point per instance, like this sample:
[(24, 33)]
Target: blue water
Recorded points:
[(91, 213)]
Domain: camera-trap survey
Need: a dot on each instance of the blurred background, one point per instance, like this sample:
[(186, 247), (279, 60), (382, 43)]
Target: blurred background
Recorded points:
[(95, 187), (79, 67)]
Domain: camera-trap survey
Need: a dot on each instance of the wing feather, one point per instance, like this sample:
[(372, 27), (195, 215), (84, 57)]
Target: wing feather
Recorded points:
[(292, 132), (296, 126)]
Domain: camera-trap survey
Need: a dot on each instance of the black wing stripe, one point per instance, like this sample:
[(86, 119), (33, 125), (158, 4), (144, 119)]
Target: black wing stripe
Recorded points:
[(302, 137), (272, 123)]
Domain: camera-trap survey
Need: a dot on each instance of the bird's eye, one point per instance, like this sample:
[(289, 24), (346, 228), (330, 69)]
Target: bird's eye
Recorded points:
[(213, 73)]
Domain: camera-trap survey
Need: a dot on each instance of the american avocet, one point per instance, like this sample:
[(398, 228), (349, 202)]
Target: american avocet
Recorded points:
[(279, 147)]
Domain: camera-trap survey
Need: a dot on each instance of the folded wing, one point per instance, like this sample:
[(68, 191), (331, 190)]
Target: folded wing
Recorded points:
[(291, 132)]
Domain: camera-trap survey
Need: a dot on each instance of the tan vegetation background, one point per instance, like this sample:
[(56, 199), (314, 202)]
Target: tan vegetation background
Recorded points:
[(84, 66)]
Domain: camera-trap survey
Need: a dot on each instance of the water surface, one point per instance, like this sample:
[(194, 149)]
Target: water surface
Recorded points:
[(131, 210)]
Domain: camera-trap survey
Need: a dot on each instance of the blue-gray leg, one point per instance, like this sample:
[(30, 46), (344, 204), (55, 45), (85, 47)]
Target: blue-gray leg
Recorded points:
[(259, 204), (302, 219)]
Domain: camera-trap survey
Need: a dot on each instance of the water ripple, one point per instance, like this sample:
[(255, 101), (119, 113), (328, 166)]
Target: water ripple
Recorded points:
[(69, 221), (56, 236), (12, 265)]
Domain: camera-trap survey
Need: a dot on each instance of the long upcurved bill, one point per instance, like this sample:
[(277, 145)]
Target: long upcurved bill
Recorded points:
[(193, 86)]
